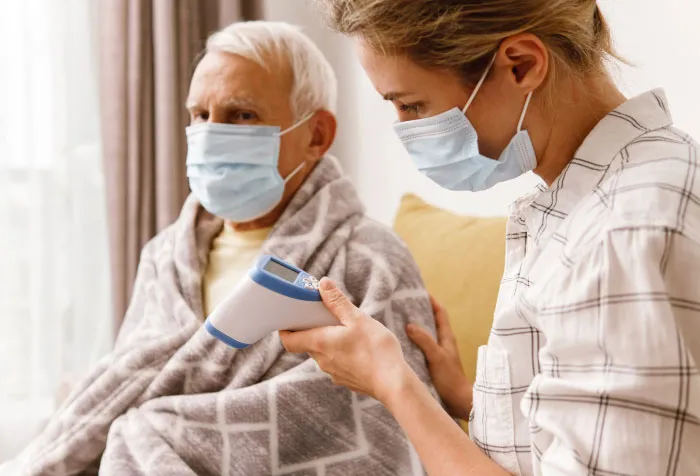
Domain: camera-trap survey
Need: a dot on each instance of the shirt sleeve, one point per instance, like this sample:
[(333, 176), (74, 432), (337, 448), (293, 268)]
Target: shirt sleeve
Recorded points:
[(618, 391)]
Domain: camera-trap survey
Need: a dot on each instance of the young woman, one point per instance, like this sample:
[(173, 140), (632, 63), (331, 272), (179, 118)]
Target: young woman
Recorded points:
[(592, 362)]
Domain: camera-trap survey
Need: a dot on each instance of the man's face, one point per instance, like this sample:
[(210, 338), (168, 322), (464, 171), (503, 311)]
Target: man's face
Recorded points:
[(230, 89)]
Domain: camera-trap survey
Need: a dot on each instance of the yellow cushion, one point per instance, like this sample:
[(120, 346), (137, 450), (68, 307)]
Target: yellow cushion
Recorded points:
[(461, 259)]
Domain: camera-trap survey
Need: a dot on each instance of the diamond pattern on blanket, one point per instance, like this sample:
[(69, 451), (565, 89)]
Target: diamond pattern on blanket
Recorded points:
[(363, 465), (250, 449), (171, 399), (190, 405), (205, 380), (404, 307), (384, 437), (201, 449), (322, 413), (306, 472), (251, 406)]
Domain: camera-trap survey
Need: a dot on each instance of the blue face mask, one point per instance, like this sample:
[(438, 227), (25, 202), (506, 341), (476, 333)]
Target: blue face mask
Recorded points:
[(445, 148), (232, 169)]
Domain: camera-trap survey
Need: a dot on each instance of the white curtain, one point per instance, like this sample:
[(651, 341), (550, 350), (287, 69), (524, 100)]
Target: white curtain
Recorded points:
[(55, 317)]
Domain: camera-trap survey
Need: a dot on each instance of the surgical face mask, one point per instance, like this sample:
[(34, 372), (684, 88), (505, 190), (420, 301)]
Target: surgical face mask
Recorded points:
[(232, 169), (445, 148)]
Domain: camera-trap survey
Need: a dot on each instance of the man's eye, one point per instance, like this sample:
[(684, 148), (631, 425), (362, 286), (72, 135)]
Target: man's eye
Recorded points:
[(202, 116), (246, 116)]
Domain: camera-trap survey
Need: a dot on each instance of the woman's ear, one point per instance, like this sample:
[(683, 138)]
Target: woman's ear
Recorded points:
[(527, 59), (324, 127)]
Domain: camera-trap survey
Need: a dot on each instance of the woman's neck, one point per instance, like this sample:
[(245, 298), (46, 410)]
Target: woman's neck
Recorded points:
[(575, 116)]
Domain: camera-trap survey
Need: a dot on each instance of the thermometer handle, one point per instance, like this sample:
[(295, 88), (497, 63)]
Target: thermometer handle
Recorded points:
[(251, 312)]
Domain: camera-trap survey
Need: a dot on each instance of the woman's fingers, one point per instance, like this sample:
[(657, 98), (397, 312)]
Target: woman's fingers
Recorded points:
[(441, 318), (442, 322), (316, 340), (337, 303), (303, 342), (425, 341), (435, 304), (362, 354)]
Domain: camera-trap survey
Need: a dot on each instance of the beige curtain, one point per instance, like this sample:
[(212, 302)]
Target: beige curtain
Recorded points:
[(147, 53)]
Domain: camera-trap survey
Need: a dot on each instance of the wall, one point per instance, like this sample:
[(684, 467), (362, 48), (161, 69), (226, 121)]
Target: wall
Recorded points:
[(339, 52), (662, 43)]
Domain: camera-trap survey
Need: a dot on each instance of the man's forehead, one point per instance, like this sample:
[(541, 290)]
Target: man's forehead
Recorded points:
[(234, 78)]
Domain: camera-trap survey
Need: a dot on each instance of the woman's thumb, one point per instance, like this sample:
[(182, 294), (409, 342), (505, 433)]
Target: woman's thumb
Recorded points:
[(336, 302), (425, 341)]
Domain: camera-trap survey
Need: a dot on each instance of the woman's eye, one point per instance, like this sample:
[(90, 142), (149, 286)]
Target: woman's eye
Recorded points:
[(410, 108)]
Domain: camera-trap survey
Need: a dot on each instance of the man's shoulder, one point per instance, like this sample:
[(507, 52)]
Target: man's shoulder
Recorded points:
[(374, 245), (162, 242), (379, 264), (379, 238)]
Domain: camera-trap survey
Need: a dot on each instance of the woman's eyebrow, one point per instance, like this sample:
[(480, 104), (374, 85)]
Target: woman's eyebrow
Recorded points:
[(393, 96)]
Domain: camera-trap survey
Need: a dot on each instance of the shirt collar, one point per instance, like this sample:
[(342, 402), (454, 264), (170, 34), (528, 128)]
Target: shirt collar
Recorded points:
[(592, 161)]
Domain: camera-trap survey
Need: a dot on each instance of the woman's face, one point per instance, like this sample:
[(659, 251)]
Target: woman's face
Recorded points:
[(417, 93)]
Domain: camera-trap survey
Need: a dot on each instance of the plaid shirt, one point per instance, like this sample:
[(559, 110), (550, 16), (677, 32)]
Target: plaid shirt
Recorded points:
[(592, 362)]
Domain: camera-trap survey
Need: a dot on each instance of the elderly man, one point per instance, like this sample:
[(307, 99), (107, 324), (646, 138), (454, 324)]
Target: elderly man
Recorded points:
[(171, 399)]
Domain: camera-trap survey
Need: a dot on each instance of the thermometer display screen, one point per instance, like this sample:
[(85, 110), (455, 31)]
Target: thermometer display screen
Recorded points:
[(281, 271)]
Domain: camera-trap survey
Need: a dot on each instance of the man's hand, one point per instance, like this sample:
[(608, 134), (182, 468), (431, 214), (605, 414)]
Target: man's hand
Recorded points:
[(444, 364)]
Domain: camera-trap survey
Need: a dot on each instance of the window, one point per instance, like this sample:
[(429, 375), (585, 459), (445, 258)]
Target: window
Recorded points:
[(54, 292)]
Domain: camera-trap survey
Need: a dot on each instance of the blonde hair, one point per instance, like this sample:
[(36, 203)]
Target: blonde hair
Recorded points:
[(315, 85), (462, 36)]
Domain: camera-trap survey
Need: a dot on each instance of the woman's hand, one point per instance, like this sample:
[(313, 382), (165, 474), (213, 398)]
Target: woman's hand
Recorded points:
[(360, 353), (366, 357), (444, 364)]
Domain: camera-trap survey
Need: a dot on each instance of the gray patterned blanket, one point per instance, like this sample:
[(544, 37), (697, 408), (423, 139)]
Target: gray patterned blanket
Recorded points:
[(170, 399)]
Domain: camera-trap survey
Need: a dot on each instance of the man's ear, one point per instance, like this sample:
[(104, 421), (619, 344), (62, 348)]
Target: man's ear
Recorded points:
[(526, 58), (323, 129)]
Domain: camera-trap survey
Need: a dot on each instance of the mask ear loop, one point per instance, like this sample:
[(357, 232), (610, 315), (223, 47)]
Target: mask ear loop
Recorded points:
[(522, 116), (479, 84), (290, 129), (294, 172), (298, 124)]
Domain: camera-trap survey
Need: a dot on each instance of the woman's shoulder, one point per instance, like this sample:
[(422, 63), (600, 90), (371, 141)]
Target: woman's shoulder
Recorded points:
[(656, 181), (666, 154)]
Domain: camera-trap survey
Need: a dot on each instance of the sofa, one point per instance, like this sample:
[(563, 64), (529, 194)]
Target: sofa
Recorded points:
[(461, 259)]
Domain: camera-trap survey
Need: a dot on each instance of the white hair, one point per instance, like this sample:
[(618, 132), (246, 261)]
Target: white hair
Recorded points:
[(315, 86)]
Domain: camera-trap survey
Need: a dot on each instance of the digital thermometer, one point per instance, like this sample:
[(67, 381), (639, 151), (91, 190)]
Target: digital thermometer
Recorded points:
[(274, 295)]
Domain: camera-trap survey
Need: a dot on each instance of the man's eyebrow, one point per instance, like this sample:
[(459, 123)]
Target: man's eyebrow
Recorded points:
[(239, 101), (229, 103), (191, 104)]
